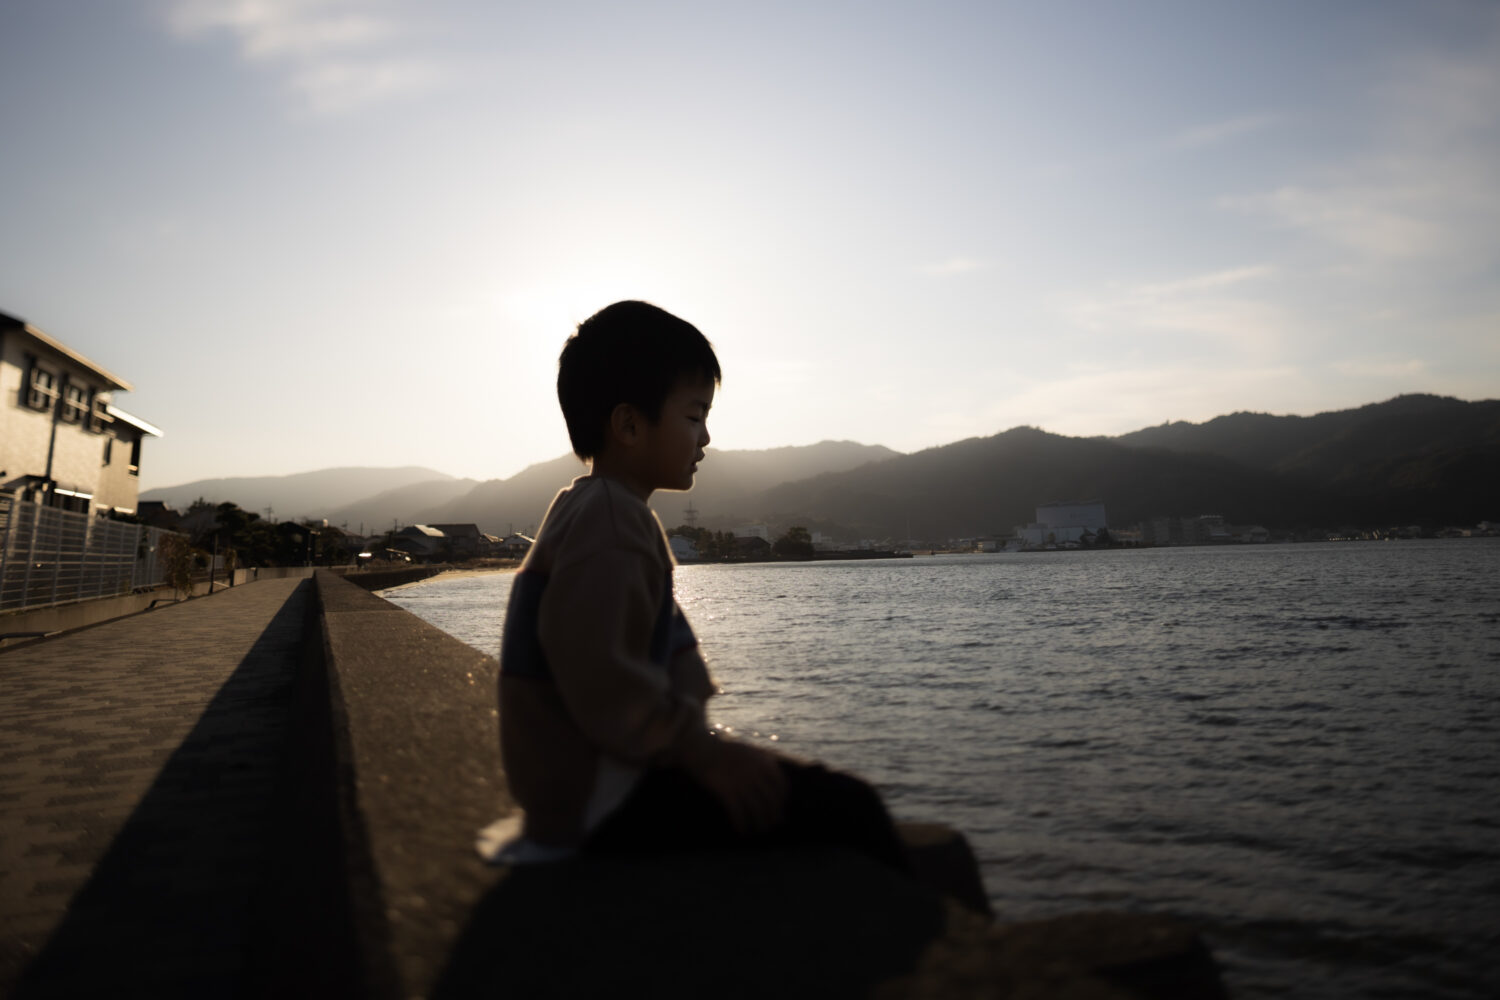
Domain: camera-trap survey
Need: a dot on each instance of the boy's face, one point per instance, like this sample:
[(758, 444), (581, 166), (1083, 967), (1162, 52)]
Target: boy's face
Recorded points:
[(673, 446)]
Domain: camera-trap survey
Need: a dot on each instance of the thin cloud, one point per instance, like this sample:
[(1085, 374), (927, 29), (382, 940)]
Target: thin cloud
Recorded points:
[(1210, 304), (335, 55), (336, 86), (955, 265), (1382, 369), (1390, 221), (1423, 189), (1205, 282), (1222, 131), (1117, 400), (278, 29)]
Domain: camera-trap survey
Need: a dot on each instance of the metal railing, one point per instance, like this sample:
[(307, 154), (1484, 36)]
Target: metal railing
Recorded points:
[(50, 556)]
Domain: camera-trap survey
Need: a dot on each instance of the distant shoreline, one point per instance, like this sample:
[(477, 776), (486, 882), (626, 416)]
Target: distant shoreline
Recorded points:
[(454, 574), (460, 574)]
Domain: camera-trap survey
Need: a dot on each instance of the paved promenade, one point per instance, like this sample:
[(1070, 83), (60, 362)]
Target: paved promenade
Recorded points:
[(143, 826)]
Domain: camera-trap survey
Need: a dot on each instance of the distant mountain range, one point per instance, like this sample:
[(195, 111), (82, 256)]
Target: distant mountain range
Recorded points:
[(1413, 459), (378, 512), (305, 494), (725, 489), (985, 486)]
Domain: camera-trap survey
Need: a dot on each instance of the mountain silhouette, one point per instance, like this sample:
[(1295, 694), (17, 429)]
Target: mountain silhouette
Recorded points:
[(989, 485), (1414, 459), (727, 485), (301, 495)]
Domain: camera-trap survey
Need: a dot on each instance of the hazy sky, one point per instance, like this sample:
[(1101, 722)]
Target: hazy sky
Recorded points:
[(356, 232)]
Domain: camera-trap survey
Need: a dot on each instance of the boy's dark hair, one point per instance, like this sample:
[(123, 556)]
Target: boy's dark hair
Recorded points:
[(630, 352)]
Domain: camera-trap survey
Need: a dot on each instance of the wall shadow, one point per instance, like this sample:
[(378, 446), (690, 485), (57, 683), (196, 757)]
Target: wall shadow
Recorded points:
[(225, 880)]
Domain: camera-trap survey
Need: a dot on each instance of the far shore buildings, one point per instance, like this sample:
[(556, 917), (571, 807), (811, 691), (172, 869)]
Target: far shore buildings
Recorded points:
[(684, 549), (63, 442), (1066, 524), (466, 541), (516, 545), (1201, 529), (421, 542), (447, 542)]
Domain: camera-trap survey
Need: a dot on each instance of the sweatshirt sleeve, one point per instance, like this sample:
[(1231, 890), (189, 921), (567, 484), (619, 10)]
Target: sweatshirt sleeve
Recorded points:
[(595, 625)]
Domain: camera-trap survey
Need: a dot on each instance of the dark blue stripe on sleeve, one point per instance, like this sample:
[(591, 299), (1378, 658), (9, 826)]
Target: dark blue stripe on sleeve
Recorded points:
[(672, 631), (520, 645)]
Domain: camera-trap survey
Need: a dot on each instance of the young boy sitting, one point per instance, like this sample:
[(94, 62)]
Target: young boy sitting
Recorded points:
[(602, 691)]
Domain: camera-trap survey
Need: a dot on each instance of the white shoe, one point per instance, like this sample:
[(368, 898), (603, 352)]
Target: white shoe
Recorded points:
[(501, 843)]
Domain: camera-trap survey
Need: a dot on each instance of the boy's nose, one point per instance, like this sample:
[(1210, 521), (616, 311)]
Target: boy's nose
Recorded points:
[(703, 435)]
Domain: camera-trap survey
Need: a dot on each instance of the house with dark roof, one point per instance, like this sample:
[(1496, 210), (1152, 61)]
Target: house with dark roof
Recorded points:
[(514, 545), (421, 542), (465, 541), (63, 441)]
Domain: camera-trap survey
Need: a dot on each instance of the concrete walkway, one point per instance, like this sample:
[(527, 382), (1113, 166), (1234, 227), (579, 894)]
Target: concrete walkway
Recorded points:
[(143, 769)]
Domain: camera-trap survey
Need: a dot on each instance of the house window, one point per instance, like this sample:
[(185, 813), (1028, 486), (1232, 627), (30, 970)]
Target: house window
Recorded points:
[(98, 418), (75, 402), (135, 455), (41, 389), (109, 449)]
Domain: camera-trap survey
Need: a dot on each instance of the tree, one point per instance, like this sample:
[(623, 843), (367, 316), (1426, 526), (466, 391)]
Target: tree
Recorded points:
[(255, 541), (721, 544), (710, 544), (333, 547), (176, 556), (795, 544)]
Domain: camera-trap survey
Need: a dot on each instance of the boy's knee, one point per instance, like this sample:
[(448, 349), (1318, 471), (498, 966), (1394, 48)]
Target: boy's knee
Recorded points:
[(822, 790)]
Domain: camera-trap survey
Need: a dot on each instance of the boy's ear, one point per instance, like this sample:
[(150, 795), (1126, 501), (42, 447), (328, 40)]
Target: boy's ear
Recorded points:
[(625, 423)]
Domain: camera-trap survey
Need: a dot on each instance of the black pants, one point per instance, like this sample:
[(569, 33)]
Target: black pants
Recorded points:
[(669, 811)]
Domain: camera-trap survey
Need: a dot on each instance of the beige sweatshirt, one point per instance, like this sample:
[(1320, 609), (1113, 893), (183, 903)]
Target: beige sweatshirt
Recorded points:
[(600, 674)]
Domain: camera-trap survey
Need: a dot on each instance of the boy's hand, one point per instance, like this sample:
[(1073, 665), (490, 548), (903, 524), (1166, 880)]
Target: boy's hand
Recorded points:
[(747, 780)]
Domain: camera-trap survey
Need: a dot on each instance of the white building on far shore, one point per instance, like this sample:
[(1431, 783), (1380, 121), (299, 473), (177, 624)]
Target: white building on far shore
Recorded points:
[(1064, 523), (684, 549)]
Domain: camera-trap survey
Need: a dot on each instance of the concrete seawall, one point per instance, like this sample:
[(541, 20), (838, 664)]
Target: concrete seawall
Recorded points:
[(417, 765)]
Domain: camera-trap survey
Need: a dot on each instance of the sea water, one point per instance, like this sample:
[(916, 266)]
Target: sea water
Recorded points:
[(1295, 747)]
